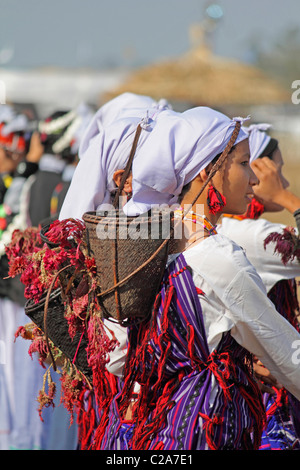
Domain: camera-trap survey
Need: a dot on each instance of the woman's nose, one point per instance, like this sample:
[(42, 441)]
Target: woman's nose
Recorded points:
[(285, 182), (253, 178)]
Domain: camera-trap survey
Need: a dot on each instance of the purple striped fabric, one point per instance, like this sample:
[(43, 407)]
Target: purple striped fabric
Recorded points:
[(282, 431), (189, 399)]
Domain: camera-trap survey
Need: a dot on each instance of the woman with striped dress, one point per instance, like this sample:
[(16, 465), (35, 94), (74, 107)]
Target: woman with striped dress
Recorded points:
[(188, 377), (192, 358)]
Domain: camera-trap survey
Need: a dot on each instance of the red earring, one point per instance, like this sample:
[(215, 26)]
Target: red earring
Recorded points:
[(254, 210), (215, 200)]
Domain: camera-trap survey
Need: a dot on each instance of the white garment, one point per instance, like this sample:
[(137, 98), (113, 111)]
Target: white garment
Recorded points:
[(251, 234), (53, 163)]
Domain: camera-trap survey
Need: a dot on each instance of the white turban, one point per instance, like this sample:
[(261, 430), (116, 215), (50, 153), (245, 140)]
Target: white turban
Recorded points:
[(258, 139), (172, 149)]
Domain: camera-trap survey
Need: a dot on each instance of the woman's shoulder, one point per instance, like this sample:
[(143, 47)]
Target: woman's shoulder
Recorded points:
[(218, 251), (248, 227), (221, 263)]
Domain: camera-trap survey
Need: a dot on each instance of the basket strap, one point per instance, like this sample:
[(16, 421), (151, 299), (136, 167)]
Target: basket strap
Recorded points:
[(116, 280), (128, 166), (115, 203)]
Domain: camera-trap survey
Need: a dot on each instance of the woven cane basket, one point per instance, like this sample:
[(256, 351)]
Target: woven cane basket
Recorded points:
[(57, 330), (131, 256)]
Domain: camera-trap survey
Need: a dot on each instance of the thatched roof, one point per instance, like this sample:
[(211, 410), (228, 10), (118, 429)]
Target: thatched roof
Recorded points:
[(201, 78)]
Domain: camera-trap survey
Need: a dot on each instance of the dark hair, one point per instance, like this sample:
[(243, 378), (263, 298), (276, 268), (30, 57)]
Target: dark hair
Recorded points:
[(187, 187), (185, 190), (270, 149)]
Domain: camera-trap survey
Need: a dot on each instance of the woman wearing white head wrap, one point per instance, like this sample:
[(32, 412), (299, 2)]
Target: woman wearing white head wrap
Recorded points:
[(258, 139), (184, 361), (250, 231)]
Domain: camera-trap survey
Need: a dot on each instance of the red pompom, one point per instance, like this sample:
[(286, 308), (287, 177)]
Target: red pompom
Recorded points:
[(215, 200)]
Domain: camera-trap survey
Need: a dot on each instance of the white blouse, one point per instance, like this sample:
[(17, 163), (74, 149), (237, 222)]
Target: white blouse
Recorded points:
[(251, 234), (235, 300)]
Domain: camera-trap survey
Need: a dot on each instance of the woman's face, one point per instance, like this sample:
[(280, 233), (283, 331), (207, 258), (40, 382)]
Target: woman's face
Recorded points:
[(236, 179), (262, 188)]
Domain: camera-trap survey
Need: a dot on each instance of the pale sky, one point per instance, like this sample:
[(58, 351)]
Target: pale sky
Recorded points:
[(99, 33)]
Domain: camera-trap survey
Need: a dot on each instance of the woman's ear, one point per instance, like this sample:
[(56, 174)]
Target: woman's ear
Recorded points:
[(117, 177), (128, 183), (203, 175)]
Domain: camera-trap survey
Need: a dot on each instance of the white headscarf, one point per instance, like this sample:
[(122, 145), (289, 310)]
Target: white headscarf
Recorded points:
[(258, 139), (179, 147), (105, 148), (172, 149)]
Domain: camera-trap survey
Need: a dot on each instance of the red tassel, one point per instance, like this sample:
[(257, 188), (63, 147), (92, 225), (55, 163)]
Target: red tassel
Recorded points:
[(254, 401), (222, 376), (280, 400), (215, 200), (86, 421), (254, 211), (199, 291), (209, 424)]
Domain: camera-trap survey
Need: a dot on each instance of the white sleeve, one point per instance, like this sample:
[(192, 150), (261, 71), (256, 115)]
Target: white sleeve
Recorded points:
[(251, 235), (263, 331), (256, 325), (269, 264)]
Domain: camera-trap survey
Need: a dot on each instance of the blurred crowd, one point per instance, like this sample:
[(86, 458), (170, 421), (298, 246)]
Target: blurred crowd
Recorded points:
[(37, 161)]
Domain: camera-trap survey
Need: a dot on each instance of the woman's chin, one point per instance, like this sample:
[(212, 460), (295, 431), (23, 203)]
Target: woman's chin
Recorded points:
[(237, 210)]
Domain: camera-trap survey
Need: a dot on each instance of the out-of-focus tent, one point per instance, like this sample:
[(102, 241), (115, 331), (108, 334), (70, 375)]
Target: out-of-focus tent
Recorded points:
[(201, 78)]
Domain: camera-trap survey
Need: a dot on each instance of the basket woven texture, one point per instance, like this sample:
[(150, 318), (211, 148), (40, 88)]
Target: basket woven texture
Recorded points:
[(57, 330), (118, 257)]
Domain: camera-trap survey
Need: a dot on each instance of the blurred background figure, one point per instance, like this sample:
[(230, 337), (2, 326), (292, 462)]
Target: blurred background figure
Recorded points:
[(37, 169), (60, 136), (15, 148), (72, 140)]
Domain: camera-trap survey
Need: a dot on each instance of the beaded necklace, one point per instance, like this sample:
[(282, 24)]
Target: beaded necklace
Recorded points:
[(196, 219)]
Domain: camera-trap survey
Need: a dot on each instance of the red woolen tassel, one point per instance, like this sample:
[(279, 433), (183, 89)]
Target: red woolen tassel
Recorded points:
[(254, 210), (215, 200)]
